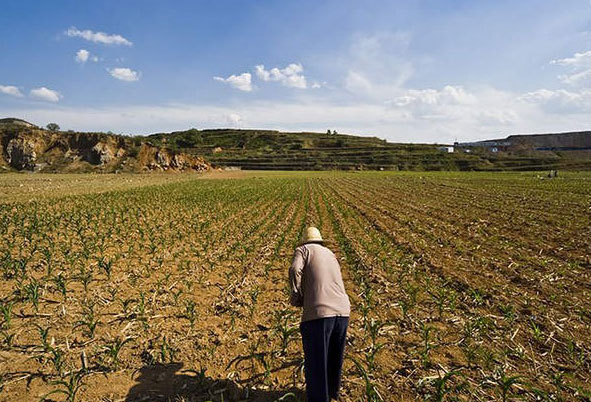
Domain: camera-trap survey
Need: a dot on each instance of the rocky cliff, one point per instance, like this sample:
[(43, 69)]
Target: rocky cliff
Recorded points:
[(30, 148)]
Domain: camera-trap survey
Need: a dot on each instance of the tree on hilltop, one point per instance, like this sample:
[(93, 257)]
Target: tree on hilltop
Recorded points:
[(53, 127)]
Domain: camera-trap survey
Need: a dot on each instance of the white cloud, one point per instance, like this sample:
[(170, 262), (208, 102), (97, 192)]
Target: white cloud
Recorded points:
[(576, 78), (98, 37), (495, 115), (234, 120), (495, 112), (45, 94), (11, 90), (290, 76), (451, 103), (242, 82), (124, 74), (579, 66), (578, 60), (560, 101), (449, 95), (82, 56)]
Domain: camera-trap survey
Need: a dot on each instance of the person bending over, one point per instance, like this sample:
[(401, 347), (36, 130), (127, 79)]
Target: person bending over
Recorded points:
[(317, 286)]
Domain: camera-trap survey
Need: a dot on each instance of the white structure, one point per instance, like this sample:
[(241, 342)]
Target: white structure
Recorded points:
[(448, 149)]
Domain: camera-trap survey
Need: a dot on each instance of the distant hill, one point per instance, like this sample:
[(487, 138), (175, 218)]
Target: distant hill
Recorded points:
[(570, 150), (263, 149), (274, 150), (24, 146), (580, 140), (572, 141), (8, 121)]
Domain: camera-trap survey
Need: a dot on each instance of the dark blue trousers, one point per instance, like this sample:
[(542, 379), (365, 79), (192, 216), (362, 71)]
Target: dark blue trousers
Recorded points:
[(324, 347)]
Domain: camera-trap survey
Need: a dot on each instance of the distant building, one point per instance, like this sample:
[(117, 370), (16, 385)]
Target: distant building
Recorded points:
[(447, 148)]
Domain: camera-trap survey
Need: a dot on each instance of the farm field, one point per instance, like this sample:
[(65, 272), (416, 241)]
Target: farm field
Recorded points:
[(464, 286)]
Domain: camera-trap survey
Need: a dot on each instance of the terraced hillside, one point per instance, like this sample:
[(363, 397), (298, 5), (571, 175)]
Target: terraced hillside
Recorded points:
[(274, 150), (24, 146)]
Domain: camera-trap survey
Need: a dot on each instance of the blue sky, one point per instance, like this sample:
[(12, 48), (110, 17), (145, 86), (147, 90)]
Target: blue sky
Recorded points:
[(420, 71)]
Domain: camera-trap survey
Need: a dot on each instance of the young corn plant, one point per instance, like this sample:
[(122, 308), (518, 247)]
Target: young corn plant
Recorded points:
[(373, 328), (488, 358), (254, 294), (506, 383), (167, 352), (443, 297), (536, 331), (60, 284), (508, 311), (85, 277), (576, 353), (58, 359), (44, 333), (89, 320), (112, 350), (284, 329), (190, 313), (48, 259), (106, 265), (470, 351), (253, 356), (125, 306), (371, 391), (442, 387), (409, 299), (477, 297), (8, 338), (141, 311), (427, 345), (199, 375), (6, 313), (19, 268), (69, 387), (176, 294), (32, 292)]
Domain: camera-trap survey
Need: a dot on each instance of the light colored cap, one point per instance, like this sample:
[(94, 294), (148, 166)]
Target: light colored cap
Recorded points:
[(311, 234)]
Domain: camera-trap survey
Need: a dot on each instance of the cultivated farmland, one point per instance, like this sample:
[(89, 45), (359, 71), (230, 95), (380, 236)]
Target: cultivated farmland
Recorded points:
[(474, 286)]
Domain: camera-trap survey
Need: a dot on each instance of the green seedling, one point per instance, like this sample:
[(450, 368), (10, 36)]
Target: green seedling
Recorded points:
[(6, 313), (32, 291), (112, 351), (190, 313), (505, 383), (89, 321), (284, 329), (69, 388)]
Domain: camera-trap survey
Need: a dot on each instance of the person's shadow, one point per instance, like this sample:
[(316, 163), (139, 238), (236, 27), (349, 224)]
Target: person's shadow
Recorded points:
[(168, 382)]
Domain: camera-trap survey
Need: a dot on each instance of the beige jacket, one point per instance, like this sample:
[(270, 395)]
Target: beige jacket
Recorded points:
[(316, 283)]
